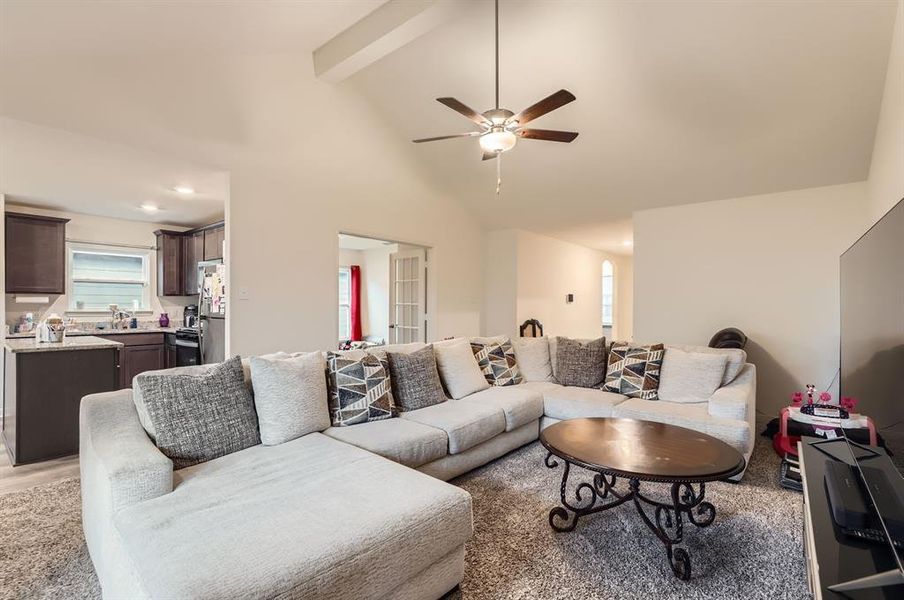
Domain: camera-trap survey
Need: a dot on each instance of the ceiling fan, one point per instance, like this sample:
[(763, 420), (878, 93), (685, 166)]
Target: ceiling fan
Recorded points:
[(500, 128)]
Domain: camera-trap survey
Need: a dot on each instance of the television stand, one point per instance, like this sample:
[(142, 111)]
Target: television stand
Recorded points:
[(840, 566)]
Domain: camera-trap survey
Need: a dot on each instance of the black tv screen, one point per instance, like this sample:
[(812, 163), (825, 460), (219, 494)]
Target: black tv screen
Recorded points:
[(872, 327)]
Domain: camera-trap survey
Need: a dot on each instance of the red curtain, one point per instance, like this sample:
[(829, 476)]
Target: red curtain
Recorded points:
[(356, 303)]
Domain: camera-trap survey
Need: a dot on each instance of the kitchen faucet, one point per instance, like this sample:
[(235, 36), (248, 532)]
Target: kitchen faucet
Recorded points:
[(119, 317)]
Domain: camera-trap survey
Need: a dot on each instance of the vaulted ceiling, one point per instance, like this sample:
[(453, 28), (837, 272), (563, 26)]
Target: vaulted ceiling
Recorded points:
[(677, 102)]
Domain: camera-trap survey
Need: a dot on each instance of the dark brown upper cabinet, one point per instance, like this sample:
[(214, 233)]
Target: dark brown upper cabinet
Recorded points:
[(213, 242), (35, 254), (169, 263), (192, 254)]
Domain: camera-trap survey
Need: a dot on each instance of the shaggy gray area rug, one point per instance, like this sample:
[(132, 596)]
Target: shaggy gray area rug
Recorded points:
[(752, 550)]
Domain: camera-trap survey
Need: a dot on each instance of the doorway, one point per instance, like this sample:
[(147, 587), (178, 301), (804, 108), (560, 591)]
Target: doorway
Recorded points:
[(382, 295)]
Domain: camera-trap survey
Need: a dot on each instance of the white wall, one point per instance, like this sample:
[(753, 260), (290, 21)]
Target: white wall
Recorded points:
[(101, 230), (886, 173), (766, 264), (376, 265), (528, 276), (624, 297)]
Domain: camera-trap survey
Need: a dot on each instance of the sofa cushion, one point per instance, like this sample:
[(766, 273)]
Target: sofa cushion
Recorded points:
[(561, 402), (200, 417), (401, 440), (359, 389), (692, 416), (737, 358), (497, 362), (465, 423), (532, 355), (634, 370), (382, 351), (519, 404), (690, 376), (458, 368), (289, 396), (415, 380), (581, 364), (311, 518)]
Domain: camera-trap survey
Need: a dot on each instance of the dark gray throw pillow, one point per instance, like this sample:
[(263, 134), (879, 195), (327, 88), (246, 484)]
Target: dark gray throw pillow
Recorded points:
[(415, 379), (581, 364), (198, 417)]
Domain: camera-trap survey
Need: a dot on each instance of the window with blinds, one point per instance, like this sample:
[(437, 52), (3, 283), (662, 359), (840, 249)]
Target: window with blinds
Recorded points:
[(608, 293), (345, 310), (99, 278)]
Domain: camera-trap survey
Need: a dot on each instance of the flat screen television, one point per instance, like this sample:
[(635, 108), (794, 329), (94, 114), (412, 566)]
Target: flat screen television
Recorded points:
[(872, 327), (872, 370)]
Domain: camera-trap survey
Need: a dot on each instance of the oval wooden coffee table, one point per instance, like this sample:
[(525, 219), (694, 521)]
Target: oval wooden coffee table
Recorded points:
[(640, 451)]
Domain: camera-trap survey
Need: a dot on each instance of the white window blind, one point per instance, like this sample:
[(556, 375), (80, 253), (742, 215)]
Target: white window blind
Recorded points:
[(608, 293), (99, 278), (345, 294)]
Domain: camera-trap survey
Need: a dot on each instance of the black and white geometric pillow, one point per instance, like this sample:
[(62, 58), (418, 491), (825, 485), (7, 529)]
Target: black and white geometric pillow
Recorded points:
[(497, 362), (359, 389), (634, 371)]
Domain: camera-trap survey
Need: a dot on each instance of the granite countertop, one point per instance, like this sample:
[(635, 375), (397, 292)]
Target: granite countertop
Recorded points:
[(98, 332), (84, 342)]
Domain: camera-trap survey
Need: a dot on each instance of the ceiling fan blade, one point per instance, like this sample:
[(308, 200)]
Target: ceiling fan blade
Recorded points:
[(465, 110), (550, 135), (548, 104), (446, 137)]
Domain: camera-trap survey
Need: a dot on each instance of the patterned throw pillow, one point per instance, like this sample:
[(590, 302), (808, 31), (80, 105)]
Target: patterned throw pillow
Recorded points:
[(497, 362), (201, 417), (634, 371), (415, 379), (359, 389), (580, 364)]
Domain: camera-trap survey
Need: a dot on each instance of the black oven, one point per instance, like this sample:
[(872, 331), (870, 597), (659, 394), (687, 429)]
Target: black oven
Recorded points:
[(187, 347)]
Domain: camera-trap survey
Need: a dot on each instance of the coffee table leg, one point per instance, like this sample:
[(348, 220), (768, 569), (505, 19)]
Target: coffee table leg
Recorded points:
[(668, 522), (590, 498)]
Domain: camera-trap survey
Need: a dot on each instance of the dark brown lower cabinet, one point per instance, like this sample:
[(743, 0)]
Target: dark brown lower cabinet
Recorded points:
[(140, 352), (42, 394)]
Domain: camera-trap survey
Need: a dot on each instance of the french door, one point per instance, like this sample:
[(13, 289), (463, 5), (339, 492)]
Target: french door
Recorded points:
[(407, 296)]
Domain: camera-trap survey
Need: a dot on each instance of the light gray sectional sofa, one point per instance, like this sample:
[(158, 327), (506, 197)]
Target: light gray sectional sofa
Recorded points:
[(350, 512)]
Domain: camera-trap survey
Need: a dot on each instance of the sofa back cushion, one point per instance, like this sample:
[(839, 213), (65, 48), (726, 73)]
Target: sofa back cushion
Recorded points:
[(533, 359), (199, 417), (737, 358), (290, 396), (415, 380), (458, 368), (580, 364), (497, 362), (690, 376)]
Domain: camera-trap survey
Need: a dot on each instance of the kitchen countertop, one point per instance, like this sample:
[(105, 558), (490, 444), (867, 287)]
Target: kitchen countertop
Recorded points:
[(84, 342), (99, 332)]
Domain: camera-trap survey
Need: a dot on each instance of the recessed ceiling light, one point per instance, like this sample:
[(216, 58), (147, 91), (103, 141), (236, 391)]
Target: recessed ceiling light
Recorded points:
[(149, 207), (184, 189), (627, 243)]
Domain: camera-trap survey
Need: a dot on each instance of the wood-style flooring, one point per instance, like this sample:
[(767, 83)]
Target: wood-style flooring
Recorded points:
[(13, 479)]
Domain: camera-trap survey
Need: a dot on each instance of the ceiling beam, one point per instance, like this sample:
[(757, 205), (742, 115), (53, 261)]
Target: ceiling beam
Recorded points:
[(382, 32)]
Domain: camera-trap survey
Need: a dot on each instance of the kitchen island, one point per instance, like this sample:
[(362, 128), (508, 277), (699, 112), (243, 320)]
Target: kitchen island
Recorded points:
[(43, 386)]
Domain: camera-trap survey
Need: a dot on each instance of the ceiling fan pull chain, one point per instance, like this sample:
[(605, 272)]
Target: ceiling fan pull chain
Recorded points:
[(498, 172)]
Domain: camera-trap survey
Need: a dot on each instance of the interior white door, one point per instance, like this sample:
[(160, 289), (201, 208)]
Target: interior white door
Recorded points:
[(407, 296)]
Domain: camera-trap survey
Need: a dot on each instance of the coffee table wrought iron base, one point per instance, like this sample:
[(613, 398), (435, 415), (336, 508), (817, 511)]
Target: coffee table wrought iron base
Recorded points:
[(667, 522)]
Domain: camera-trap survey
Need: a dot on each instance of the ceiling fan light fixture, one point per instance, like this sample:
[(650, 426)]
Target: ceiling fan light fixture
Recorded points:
[(498, 140)]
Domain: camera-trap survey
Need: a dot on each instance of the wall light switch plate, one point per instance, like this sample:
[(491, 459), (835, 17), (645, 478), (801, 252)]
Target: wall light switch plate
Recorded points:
[(569, 298), (243, 293)]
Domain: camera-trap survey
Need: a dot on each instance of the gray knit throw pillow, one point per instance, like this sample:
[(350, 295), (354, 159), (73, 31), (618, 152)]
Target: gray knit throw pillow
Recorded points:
[(415, 379), (201, 417), (581, 364)]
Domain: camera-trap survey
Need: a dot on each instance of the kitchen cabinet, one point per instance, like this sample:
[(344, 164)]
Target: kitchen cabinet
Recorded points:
[(35, 254), (140, 352), (43, 390), (192, 254), (213, 242), (169, 263)]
